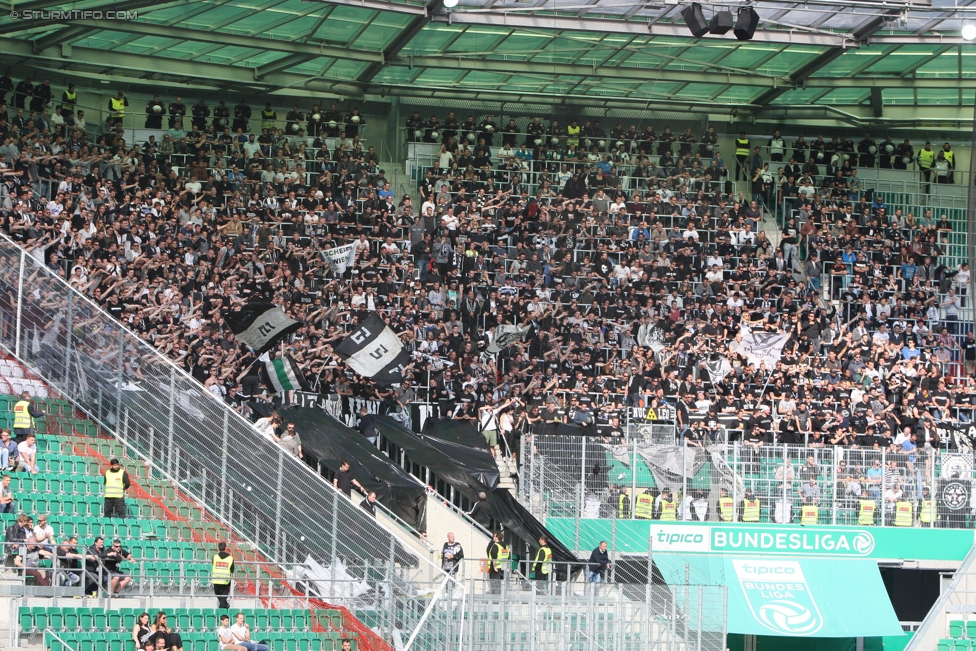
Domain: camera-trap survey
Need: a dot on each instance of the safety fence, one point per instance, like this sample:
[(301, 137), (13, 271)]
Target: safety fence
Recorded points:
[(210, 452), (586, 478)]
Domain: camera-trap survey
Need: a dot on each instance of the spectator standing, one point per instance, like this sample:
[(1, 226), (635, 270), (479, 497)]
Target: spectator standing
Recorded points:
[(221, 574), (451, 555), (482, 512), (599, 564), (24, 415), (369, 504), (367, 426), (344, 480), (291, 441), (117, 482)]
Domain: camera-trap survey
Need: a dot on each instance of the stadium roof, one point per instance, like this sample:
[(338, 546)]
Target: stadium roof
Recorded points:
[(603, 52)]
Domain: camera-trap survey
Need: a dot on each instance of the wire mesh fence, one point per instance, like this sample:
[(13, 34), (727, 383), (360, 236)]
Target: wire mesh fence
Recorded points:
[(590, 477), (164, 416)]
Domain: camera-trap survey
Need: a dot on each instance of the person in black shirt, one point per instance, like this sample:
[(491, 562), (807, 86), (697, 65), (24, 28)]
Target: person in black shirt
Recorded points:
[(344, 480), (481, 513), (369, 504)]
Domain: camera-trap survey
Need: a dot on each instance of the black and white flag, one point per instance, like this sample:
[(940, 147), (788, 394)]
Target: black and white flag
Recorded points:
[(505, 336), (373, 350), (761, 347), (260, 325), (340, 258)]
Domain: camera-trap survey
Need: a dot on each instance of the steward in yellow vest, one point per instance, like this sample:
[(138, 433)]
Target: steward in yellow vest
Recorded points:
[(742, 145), (644, 507), (809, 514), (572, 133), (726, 507), (268, 117), (221, 572), (926, 156), (69, 98), (116, 483), (865, 512), (543, 560), (668, 508), (498, 555), (750, 507), (623, 505), (904, 514), (24, 415), (116, 107)]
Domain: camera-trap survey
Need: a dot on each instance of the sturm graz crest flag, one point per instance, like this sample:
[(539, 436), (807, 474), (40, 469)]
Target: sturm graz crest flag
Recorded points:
[(260, 325), (373, 350)]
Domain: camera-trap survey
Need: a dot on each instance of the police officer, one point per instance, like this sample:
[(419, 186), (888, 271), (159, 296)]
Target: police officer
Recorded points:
[(177, 111), (154, 118), (221, 571), (116, 483), (498, 555), (24, 415), (543, 560)]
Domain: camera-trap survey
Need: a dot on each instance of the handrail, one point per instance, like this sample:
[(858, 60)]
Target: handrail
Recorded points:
[(64, 645), (938, 608)]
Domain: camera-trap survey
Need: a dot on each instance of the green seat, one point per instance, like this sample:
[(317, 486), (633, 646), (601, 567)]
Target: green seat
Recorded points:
[(99, 620), (197, 620), (971, 629), (71, 620), (114, 620), (955, 628), (86, 619), (301, 620)]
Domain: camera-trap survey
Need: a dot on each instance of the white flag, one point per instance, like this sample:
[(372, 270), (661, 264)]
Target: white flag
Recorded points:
[(760, 347), (718, 369), (340, 258), (504, 336)]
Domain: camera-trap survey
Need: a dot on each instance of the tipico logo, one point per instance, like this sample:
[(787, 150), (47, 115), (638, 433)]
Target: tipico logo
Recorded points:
[(788, 617), (778, 596), (863, 543)]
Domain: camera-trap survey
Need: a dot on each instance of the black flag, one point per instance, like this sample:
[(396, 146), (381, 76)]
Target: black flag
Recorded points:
[(260, 325), (373, 350)]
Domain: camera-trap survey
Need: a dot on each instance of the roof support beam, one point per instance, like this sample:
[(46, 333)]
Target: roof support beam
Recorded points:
[(610, 72), (380, 5), (223, 38), (283, 63), (605, 26), (201, 73), (407, 34), (860, 34)]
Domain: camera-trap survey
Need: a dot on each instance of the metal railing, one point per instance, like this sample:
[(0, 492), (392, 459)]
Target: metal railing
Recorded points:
[(210, 451), (585, 478)]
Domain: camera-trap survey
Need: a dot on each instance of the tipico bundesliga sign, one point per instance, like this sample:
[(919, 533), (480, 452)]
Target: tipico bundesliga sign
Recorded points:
[(823, 541)]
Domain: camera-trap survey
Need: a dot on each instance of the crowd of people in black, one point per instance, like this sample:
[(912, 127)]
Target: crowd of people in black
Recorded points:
[(631, 292)]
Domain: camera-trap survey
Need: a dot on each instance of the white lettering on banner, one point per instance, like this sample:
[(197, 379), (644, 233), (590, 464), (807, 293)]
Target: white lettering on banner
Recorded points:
[(672, 538), (778, 596), (360, 335)]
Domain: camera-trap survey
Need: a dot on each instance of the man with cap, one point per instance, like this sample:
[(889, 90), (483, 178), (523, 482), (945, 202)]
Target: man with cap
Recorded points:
[(116, 484)]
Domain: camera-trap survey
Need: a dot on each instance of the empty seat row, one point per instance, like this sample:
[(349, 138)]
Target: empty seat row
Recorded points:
[(959, 628), (193, 641), (91, 620)]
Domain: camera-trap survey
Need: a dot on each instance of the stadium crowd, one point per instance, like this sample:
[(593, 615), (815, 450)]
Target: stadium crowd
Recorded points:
[(634, 274)]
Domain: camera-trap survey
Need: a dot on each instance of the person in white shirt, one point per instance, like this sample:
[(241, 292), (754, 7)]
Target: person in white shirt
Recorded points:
[(225, 636), (28, 453), (242, 635)]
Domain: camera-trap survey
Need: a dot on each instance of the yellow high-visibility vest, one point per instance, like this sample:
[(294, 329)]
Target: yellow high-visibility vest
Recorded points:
[(502, 554), (926, 158), (68, 101), (669, 510), (949, 156), (22, 417), (544, 558), (118, 107), (113, 483), (865, 513), (904, 514), (572, 131), (644, 508), (726, 509), (927, 512), (809, 514), (750, 510), (623, 506), (220, 570), (268, 118), (741, 146)]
